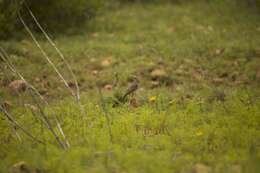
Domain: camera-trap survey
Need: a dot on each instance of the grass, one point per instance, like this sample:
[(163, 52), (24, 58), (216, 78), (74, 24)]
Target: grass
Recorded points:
[(204, 111)]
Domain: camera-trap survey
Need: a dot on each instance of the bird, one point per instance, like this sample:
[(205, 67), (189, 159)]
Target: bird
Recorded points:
[(131, 88)]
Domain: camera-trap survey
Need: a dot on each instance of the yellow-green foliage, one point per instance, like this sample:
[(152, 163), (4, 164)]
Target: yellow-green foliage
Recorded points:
[(145, 139)]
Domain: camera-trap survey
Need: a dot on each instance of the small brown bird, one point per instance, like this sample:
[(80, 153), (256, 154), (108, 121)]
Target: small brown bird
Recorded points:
[(132, 87), (120, 99)]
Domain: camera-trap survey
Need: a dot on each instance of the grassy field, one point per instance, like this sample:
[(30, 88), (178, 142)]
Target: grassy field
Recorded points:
[(197, 108)]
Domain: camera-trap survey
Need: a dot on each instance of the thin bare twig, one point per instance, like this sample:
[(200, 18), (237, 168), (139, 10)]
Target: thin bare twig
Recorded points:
[(48, 124), (45, 54), (32, 88), (17, 134), (58, 51), (77, 94), (16, 124)]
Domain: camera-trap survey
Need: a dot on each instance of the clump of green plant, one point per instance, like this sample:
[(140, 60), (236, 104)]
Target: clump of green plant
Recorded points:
[(7, 18)]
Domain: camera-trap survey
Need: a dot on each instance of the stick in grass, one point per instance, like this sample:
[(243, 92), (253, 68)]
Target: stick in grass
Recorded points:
[(35, 91), (77, 94), (12, 120)]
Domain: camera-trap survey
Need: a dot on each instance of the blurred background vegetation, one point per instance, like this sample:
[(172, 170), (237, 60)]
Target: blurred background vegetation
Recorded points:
[(51, 14)]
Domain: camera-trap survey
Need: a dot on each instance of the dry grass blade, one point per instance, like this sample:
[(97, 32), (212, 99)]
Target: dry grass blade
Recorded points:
[(49, 125), (16, 134), (77, 94), (12, 120), (58, 51), (45, 55), (34, 92)]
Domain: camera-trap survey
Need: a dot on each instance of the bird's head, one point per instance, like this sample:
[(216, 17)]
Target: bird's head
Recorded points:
[(135, 79)]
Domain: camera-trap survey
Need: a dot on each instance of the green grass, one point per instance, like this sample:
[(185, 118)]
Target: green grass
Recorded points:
[(155, 137), (206, 49)]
